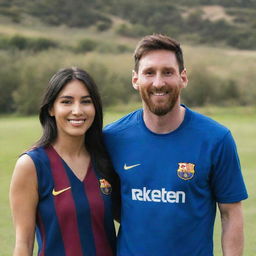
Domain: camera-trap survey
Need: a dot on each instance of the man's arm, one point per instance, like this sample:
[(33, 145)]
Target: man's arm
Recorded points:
[(232, 229)]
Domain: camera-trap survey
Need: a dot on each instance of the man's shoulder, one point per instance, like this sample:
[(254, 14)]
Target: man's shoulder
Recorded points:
[(207, 124), (203, 119), (126, 122)]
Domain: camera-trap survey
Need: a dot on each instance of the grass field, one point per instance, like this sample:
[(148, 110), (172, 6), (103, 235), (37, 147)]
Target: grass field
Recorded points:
[(18, 133)]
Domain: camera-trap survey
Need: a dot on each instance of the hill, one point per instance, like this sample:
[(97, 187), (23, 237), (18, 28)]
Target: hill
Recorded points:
[(213, 22), (32, 49)]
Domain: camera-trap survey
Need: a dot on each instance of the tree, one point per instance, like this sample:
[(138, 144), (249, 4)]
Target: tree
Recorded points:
[(8, 83)]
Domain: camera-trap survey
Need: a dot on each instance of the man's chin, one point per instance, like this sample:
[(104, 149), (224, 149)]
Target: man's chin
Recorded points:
[(160, 111)]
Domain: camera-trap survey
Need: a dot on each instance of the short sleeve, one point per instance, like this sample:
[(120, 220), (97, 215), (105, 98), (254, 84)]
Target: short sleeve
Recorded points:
[(226, 178)]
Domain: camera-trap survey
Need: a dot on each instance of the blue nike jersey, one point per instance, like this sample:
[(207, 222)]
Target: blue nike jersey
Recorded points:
[(74, 217), (170, 184)]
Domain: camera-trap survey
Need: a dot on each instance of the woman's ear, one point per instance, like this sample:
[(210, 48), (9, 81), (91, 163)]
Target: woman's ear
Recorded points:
[(51, 112)]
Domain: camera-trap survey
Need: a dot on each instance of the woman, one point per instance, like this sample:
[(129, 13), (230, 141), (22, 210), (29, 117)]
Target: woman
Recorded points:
[(61, 188)]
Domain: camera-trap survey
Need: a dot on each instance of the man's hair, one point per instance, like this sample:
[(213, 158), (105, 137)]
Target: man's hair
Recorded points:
[(158, 42)]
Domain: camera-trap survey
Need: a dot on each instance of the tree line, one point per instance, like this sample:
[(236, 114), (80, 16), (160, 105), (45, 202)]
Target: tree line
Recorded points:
[(25, 76), (28, 62), (148, 16)]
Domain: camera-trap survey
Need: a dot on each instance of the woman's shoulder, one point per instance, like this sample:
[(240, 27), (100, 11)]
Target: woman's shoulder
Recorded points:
[(34, 151), (29, 159), (24, 168), (25, 161), (37, 154)]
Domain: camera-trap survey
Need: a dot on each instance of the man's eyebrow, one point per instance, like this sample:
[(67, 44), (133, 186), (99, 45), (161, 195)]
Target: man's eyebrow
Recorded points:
[(147, 68)]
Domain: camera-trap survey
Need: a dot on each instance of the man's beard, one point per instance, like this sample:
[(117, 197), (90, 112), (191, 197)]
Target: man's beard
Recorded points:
[(161, 108)]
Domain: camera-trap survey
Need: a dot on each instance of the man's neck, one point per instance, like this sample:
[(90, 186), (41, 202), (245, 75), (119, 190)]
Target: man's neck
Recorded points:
[(166, 123)]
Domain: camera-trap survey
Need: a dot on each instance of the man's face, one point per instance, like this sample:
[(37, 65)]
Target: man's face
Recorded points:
[(159, 81)]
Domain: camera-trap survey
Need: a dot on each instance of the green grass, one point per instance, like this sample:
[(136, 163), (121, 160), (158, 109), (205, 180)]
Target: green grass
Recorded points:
[(18, 133)]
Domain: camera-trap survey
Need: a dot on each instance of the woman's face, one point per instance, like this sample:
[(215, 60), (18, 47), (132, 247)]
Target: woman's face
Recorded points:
[(73, 110)]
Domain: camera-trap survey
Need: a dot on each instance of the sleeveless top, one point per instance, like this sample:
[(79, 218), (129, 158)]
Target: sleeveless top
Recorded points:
[(74, 217)]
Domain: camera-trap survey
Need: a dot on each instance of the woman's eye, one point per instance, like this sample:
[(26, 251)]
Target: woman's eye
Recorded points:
[(87, 101), (66, 101)]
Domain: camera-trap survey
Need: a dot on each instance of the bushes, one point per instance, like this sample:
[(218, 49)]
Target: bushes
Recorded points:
[(168, 18), (175, 18), (41, 44), (24, 77), (201, 89), (243, 40), (88, 45), (9, 82), (102, 26), (133, 30), (33, 76), (113, 88), (77, 13), (205, 88), (10, 10), (35, 45), (23, 43)]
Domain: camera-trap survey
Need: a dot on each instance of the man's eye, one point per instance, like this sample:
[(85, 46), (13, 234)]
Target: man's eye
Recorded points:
[(168, 73)]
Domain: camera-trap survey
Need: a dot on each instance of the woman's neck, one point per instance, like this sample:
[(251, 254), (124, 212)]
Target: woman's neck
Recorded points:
[(71, 147)]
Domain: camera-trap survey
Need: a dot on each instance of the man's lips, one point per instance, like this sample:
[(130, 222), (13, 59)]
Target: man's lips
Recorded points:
[(159, 93)]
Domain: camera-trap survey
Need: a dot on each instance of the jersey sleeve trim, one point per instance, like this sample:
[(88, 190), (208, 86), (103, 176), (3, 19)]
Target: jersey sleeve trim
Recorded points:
[(233, 199)]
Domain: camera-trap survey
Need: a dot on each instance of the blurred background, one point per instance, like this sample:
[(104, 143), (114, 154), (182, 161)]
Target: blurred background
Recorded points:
[(38, 37)]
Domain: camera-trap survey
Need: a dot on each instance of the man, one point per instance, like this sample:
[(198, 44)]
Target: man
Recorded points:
[(174, 165)]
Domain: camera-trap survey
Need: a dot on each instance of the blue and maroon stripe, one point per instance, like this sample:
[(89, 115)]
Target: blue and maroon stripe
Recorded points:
[(42, 237), (67, 221), (94, 196)]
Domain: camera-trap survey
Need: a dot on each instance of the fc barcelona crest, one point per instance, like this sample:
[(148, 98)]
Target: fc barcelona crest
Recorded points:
[(186, 171), (105, 187)]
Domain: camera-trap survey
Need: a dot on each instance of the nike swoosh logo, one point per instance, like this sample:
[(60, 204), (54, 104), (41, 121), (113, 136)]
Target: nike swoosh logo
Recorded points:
[(126, 167), (55, 193)]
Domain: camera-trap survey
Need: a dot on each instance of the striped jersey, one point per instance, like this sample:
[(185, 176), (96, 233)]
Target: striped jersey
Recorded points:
[(74, 217)]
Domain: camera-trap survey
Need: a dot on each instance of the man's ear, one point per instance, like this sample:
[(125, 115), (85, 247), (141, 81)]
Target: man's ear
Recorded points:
[(134, 80), (184, 78)]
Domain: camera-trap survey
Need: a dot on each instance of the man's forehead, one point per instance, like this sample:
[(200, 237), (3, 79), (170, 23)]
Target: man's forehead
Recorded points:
[(159, 58)]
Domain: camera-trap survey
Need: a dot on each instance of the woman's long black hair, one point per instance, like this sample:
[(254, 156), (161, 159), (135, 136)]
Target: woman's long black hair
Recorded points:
[(93, 137)]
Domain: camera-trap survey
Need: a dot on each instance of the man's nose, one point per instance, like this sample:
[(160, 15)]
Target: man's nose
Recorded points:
[(158, 81)]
